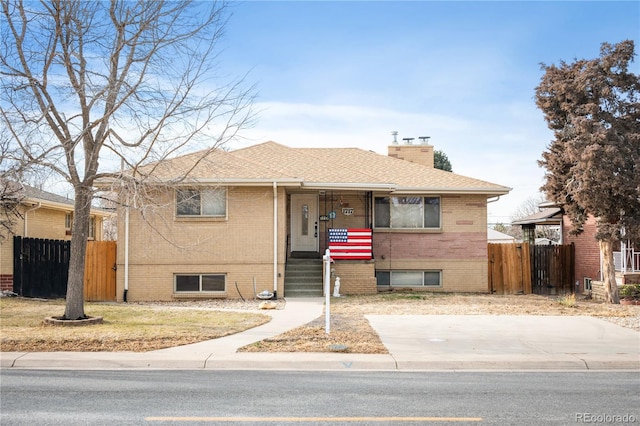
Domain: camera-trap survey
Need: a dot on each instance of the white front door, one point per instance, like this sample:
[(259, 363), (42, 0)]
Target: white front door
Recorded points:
[(304, 222)]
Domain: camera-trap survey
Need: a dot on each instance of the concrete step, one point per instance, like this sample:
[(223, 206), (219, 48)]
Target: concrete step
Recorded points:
[(303, 293), (303, 278)]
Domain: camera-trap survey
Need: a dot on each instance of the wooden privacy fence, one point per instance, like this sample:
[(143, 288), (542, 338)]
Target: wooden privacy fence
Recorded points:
[(553, 269), (41, 268), (509, 268), (523, 269), (100, 271)]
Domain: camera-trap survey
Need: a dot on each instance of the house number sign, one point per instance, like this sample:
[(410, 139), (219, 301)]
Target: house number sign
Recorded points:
[(347, 211)]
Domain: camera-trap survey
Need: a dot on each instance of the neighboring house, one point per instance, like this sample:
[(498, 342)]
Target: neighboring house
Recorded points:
[(240, 220), (44, 215), (587, 260), (545, 242), (497, 237)]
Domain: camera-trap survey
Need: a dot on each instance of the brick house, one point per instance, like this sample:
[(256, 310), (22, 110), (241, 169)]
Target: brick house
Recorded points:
[(587, 262), (43, 215), (587, 251), (252, 219)]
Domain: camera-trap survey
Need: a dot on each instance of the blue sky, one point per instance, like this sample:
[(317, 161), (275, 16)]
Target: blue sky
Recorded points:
[(346, 74)]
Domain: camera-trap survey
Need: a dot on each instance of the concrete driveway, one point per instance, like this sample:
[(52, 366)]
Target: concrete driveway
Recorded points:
[(490, 341)]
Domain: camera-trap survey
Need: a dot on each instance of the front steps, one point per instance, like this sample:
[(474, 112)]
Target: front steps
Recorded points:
[(303, 278)]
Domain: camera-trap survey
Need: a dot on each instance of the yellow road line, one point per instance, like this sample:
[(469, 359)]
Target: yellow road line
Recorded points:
[(313, 419)]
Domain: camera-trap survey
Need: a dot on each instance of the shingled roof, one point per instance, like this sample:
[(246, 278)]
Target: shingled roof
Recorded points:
[(318, 168), (33, 195)]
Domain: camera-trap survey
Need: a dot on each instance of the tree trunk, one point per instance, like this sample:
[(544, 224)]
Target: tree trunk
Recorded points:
[(609, 271), (75, 285)]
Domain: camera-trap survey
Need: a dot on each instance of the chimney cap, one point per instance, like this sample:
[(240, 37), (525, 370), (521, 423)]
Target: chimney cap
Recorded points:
[(424, 139), (394, 133), (408, 140)]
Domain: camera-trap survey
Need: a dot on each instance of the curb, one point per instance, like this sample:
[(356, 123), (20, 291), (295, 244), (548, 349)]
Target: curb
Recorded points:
[(301, 361)]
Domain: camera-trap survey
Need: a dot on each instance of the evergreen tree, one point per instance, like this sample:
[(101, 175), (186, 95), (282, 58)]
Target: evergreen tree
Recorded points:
[(593, 163)]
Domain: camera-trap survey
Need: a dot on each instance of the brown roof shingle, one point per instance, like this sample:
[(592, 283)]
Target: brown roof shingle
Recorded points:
[(317, 167)]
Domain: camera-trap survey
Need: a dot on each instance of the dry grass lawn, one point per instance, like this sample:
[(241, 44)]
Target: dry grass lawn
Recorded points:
[(125, 328), (144, 327)]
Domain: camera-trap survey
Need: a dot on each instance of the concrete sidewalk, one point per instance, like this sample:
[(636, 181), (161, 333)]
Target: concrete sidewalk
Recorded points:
[(415, 342)]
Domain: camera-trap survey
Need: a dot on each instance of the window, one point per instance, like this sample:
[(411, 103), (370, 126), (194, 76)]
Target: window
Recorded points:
[(68, 225), (92, 228), (205, 202), (305, 220), (409, 278), (407, 212), (200, 283)]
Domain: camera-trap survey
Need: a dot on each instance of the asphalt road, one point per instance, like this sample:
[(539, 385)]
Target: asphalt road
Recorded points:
[(155, 397)]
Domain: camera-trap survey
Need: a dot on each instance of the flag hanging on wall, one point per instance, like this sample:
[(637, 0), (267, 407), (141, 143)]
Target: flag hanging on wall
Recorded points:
[(350, 243)]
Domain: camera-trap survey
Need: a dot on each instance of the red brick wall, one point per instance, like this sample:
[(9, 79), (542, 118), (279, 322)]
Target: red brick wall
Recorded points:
[(453, 245), (587, 255), (6, 282)]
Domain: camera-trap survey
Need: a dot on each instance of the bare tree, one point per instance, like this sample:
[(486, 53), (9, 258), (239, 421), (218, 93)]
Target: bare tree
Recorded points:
[(90, 84), (528, 207), (593, 163), (11, 194), (11, 191)]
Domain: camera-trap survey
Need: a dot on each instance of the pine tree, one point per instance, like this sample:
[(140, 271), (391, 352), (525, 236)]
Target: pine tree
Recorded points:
[(593, 163)]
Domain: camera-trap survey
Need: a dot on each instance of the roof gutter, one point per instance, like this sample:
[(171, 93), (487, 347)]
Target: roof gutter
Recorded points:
[(245, 182), (484, 191), (350, 185), (54, 205), (107, 182)]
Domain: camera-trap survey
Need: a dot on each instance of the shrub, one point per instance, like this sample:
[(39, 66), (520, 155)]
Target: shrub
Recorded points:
[(630, 291)]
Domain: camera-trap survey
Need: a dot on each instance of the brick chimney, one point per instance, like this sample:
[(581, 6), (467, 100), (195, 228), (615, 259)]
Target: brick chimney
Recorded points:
[(421, 153)]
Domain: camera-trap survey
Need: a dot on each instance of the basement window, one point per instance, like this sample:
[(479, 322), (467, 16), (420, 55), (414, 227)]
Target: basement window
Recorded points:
[(200, 283), (428, 278)]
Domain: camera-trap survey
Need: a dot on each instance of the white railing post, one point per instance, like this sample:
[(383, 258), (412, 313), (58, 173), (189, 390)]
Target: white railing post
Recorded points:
[(327, 290)]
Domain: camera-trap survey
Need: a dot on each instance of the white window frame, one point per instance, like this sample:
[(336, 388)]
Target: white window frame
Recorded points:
[(68, 220), (92, 228), (406, 212), (211, 195), (399, 274), (200, 276)]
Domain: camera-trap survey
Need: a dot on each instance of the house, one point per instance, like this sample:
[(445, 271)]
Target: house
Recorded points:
[(45, 215), (256, 218), (497, 237), (587, 260)]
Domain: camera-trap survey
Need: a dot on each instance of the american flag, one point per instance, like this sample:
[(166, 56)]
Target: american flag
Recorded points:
[(350, 243)]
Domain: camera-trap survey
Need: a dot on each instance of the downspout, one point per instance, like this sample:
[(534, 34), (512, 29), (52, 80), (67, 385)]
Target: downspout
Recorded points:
[(126, 252), (275, 240), (36, 207)]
